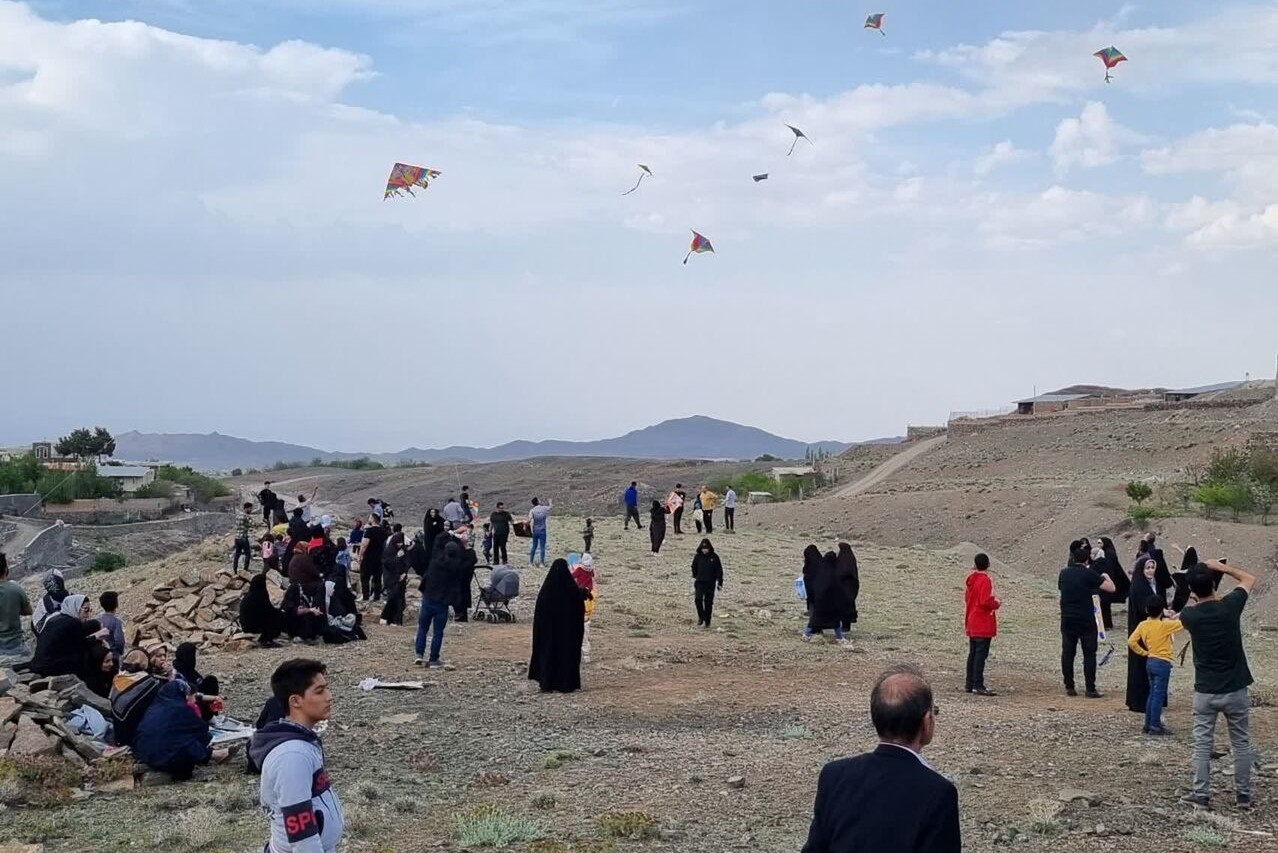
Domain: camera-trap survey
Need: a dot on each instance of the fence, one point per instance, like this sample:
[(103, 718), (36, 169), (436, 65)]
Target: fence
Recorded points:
[(110, 510), (19, 504), (977, 414)]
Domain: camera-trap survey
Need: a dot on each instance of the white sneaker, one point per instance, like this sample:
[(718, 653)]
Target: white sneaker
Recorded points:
[(419, 662), (381, 621)]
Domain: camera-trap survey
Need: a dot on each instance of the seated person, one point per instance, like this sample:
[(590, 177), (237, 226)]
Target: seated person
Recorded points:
[(68, 636), (132, 692), (343, 617), (101, 670), (205, 687), (172, 737), (304, 616), (259, 615)]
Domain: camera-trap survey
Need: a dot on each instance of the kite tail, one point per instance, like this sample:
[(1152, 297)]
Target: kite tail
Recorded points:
[(685, 258), (792, 144), (882, 33), (635, 187)]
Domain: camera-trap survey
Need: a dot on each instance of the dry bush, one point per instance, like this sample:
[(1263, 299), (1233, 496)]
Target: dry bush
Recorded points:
[(633, 825), (1043, 814), (42, 781), (489, 826), (557, 758), (193, 830)]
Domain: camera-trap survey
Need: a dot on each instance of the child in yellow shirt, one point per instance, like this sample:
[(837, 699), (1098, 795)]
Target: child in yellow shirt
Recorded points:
[(1152, 639)]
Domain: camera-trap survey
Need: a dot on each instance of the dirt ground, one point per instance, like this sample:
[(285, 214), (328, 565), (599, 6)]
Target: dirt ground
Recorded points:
[(670, 713)]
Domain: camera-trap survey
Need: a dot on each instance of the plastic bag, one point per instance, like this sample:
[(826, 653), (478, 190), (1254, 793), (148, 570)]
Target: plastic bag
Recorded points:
[(800, 588)]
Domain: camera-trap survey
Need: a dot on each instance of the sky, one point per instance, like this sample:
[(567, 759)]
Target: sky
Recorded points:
[(195, 240)]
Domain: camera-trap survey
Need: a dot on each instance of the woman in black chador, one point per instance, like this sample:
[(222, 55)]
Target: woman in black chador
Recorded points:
[(558, 627), (1143, 588)]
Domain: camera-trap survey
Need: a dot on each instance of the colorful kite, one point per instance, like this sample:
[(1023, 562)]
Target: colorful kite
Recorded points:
[(798, 134), (875, 22), (404, 177), (700, 245), (1111, 56), (646, 173), (762, 177)]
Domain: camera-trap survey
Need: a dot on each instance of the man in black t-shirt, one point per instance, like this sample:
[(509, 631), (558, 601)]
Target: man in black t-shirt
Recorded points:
[(370, 563), (1078, 583), (1221, 676), (500, 520), (267, 498)]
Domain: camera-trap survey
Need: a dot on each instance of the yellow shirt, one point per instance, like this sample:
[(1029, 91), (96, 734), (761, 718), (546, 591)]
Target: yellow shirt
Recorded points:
[(709, 500), (1157, 635)]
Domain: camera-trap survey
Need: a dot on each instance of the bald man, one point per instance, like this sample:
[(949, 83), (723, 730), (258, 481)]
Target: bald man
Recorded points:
[(889, 800)]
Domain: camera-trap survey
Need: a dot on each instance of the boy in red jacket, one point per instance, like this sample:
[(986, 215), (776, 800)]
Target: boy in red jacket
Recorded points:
[(981, 623)]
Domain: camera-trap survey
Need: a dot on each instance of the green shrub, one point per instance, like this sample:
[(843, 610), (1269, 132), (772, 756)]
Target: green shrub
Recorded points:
[(204, 488), (1236, 497), (1206, 837), (155, 489), (1139, 492), (489, 826), (1227, 465), (557, 758), (106, 561)]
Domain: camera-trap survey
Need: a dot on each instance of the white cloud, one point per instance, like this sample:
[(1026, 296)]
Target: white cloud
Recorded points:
[(1239, 231), (1000, 154), (1093, 139), (1061, 216)]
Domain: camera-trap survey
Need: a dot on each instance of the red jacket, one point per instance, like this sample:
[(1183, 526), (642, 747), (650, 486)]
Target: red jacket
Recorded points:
[(981, 604)]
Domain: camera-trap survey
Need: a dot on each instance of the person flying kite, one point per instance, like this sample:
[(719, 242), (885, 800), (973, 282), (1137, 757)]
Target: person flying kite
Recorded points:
[(798, 134), (875, 22), (404, 177), (700, 245), (1111, 56), (646, 173)]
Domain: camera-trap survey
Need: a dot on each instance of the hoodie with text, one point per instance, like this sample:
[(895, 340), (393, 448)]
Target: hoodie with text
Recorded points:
[(297, 796)]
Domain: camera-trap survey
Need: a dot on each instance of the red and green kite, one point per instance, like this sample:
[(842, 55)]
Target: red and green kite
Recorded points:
[(700, 245), (1111, 56), (875, 22), (404, 177)]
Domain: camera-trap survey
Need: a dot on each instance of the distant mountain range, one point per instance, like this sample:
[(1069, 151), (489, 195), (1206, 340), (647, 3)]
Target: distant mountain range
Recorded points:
[(696, 437)]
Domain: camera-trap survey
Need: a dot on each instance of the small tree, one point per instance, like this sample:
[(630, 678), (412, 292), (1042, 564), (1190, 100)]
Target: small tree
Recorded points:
[(1139, 492), (1262, 495)]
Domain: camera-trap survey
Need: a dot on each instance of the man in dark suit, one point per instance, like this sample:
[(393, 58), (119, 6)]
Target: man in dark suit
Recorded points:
[(889, 800)]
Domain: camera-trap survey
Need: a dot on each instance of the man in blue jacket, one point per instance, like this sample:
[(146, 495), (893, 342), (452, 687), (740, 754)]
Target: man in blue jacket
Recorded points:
[(297, 794), (632, 505), (889, 800)]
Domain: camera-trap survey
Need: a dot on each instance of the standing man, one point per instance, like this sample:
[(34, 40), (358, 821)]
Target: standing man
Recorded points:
[(14, 604), (1221, 677), (981, 624), (730, 510), (267, 499), (453, 513), (709, 500), (1078, 583), (537, 518), (501, 520), (297, 793), (889, 800), (370, 559), (678, 510), (243, 537), (632, 505)]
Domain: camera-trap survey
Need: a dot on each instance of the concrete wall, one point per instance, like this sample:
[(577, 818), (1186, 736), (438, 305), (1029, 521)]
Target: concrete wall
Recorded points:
[(19, 505), (110, 510)]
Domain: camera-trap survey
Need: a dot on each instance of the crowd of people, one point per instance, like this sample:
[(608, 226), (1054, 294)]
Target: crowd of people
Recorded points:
[(889, 799)]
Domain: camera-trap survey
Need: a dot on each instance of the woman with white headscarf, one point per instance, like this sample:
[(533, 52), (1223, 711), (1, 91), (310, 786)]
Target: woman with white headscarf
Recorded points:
[(64, 646)]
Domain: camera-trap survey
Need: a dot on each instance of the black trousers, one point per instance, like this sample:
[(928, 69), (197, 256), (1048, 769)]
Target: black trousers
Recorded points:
[(678, 520), (656, 535), (370, 578), (978, 651), (1072, 636), (586, 542), (708, 516), (243, 547), (729, 518), (633, 512), (705, 601), (266, 516), (499, 548), (1107, 613)]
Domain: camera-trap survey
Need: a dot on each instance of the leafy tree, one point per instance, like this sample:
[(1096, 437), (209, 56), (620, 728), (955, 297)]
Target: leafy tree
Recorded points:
[(106, 561), (84, 443), (1139, 492), (205, 488), (1263, 495), (1227, 465)]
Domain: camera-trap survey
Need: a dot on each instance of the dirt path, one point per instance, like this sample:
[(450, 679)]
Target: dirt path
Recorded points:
[(888, 468)]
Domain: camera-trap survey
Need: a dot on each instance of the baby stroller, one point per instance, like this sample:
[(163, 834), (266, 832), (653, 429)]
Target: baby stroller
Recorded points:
[(495, 599)]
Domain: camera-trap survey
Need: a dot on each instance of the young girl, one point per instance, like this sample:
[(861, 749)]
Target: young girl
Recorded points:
[(269, 558), (488, 543), (584, 575), (343, 563), (588, 536)]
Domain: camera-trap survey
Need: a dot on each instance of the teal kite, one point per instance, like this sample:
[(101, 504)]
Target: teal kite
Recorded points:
[(875, 22)]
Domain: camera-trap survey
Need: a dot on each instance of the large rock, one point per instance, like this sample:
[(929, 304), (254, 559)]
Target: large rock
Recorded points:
[(30, 740)]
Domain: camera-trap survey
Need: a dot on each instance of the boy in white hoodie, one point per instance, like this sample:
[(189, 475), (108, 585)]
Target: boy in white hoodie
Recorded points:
[(297, 795)]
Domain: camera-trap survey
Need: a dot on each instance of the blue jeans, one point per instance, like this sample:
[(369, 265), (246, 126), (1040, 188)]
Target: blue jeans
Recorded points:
[(1159, 676), (538, 539), (433, 613)]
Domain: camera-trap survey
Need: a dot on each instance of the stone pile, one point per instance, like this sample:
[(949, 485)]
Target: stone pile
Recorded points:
[(33, 713), (197, 610)]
